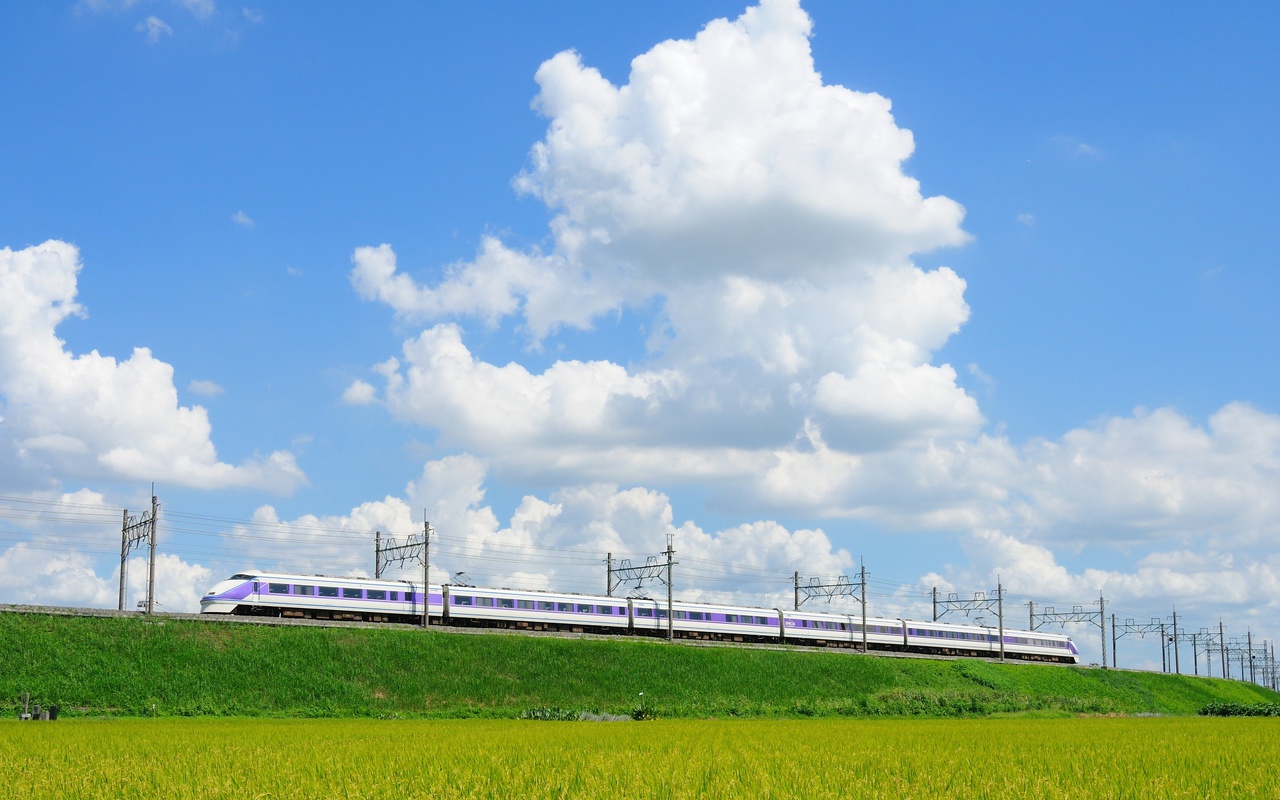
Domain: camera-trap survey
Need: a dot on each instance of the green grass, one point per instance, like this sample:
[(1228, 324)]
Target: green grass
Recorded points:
[(894, 759), (124, 666)]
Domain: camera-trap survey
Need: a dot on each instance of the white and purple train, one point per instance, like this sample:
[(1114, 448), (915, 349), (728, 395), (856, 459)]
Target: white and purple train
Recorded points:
[(369, 600)]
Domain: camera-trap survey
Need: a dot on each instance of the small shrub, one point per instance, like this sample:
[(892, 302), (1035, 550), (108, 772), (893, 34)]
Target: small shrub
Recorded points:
[(1241, 710), (550, 714)]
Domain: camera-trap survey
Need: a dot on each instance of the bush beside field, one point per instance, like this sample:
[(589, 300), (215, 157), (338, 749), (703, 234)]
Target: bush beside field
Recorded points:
[(125, 666)]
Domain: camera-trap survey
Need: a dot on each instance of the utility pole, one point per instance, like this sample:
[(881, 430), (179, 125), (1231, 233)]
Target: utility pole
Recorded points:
[(1000, 601), (980, 602), (671, 622), (1077, 614), (1121, 629), (608, 579), (1222, 640), (417, 547), (1113, 640), (795, 579), (1164, 650), (1031, 615), (377, 548), (1177, 665), (1249, 639), (842, 586), (863, 597), (124, 555), (1208, 636), (1102, 625), (134, 531), (151, 568), (651, 569), (426, 570)]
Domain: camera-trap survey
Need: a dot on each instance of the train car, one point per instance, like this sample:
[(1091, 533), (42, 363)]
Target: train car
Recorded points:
[(319, 597), (706, 621), (953, 639), (529, 610)]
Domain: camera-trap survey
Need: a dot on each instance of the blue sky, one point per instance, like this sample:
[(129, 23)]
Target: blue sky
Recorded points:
[(718, 307)]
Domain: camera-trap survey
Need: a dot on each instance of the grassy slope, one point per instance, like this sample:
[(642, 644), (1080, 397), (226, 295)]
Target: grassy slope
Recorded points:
[(123, 666)]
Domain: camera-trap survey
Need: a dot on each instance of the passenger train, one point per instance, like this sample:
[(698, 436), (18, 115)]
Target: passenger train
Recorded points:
[(370, 600)]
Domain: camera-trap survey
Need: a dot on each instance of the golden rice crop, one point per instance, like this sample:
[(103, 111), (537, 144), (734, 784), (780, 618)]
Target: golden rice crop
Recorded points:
[(996, 758)]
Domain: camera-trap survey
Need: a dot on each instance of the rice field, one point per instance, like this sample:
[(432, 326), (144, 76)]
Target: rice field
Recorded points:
[(993, 758)]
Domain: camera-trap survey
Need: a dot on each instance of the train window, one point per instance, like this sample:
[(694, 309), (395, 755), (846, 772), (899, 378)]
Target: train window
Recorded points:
[(662, 613), (730, 617), (393, 595), (844, 626), (484, 601), (564, 606), (462, 600), (352, 593), (328, 591), (682, 615), (278, 588), (546, 605), (240, 576), (644, 612), (695, 615), (524, 603), (305, 590), (766, 620), (506, 602), (584, 609), (376, 594)]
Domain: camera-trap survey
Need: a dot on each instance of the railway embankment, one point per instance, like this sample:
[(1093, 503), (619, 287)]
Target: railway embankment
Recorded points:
[(129, 665)]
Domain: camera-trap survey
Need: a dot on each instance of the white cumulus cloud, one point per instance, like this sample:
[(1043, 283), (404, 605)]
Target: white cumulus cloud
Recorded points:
[(768, 215), (86, 415)]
